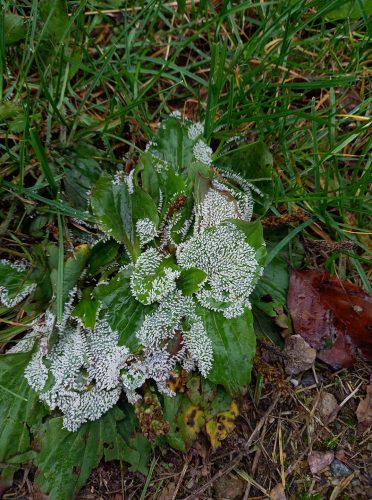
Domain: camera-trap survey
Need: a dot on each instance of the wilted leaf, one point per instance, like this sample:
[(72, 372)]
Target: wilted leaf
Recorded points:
[(333, 316), (219, 427), (150, 416)]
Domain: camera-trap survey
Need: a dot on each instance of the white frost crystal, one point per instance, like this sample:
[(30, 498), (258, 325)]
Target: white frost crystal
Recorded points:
[(85, 366), (16, 287), (167, 340), (203, 152), (152, 278), (230, 264), (195, 130), (146, 230)]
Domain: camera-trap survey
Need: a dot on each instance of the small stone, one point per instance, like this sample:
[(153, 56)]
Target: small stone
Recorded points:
[(277, 493), (339, 469), (319, 460), (229, 488), (327, 407), (308, 379), (300, 356), (294, 382), (340, 455)]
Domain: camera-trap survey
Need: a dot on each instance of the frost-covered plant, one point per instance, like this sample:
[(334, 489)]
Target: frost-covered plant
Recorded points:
[(181, 298)]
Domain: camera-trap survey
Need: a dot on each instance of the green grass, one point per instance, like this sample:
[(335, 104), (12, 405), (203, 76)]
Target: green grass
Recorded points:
[(278, 71)]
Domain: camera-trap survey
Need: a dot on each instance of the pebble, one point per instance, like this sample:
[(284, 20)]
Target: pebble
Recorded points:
[(339, 469), (309, 379)]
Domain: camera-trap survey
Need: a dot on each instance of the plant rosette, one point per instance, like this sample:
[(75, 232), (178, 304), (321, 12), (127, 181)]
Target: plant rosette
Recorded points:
[(163, 290)]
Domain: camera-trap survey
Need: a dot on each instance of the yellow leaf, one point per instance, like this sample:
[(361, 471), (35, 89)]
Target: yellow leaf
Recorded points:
[(219, 428)]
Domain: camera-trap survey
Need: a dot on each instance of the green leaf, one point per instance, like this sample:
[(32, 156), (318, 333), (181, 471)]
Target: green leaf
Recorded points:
[(54, 15), (81, 172), (87, 308), (73, 267), (172, 144), (352, 9), (143, 206), (67, 458), (254, 163), (161, 182), (101, 255), (112, 205), (234, 346), (43, 160), (15, 28), (190, 280), (15, 283), (19, 406), (122, 311), (8, 109)]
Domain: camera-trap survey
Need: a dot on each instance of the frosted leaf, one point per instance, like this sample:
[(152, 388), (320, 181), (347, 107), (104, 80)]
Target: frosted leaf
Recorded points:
[(230, 264), (36, 372), (81, 407), (14, 283), (153, 278), (67, 309), (199, 347), (195, 130), (106, 358), (176, 114), (216, 207), (122, 178), (85, 368), (240, 181), (167, 340), (25, 344), (203, 152), (146, 230)]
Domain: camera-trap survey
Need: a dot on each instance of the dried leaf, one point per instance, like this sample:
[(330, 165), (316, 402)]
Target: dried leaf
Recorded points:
[(333, 316)]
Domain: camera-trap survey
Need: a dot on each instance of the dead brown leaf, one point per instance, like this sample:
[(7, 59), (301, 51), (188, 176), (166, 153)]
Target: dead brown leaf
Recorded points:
[(333, 316)]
